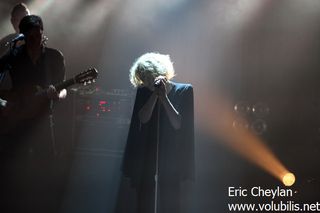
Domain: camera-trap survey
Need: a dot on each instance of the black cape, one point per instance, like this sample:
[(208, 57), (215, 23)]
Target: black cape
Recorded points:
[(176, 149)]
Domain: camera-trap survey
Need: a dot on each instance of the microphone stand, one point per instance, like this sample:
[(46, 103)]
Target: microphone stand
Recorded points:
[(51, 123), (156, 176)]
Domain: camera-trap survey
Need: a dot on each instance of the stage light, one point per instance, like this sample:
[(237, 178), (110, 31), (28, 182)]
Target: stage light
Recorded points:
[(288, 179), (260, 110), (259, 127), (242, 108), (240, 124)]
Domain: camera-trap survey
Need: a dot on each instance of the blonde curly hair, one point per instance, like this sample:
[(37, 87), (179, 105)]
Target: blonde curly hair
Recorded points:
[(152, 63)]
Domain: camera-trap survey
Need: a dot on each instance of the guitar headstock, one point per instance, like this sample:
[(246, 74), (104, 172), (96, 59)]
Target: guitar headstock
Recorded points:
[(86, 76)]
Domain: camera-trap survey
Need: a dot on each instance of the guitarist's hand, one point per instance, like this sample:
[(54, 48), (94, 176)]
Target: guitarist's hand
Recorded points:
[(53, 94)]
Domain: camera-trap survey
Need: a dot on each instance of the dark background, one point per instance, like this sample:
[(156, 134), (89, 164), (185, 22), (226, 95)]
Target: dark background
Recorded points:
[(248, 51)]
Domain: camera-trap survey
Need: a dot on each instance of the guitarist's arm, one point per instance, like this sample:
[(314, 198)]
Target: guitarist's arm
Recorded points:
[(58, 76), (8, 59), (5, 60), (62, 93)]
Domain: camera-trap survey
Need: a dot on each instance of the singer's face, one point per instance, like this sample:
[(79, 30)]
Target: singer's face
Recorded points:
[(148, 81)]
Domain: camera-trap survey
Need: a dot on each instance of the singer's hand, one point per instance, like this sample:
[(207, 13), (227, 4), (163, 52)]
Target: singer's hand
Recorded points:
[(161, 90)]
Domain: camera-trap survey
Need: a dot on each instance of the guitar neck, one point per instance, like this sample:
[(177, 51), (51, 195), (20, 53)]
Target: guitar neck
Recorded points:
[(65, 84), (86, 76)]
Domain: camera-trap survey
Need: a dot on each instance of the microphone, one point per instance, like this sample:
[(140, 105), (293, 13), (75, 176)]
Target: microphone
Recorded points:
[(157, 83), (19, 37)]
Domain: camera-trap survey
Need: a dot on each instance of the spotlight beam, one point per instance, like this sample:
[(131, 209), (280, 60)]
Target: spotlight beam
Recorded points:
[(216, 117)]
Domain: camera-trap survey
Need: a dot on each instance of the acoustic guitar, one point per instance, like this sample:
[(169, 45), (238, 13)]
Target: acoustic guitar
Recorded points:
[(28, 103)]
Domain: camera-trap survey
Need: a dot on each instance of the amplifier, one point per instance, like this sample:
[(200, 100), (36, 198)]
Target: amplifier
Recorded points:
[(97, 105)]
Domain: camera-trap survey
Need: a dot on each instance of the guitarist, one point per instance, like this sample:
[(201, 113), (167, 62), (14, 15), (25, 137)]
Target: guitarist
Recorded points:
[(27, 162)]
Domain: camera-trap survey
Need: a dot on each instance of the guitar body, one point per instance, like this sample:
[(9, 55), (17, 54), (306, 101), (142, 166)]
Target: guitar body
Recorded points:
[(22, 105), (30, 102)]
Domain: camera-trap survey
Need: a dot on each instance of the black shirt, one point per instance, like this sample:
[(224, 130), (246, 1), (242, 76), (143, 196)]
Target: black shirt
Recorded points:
[(49, 69), (26, 77)]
